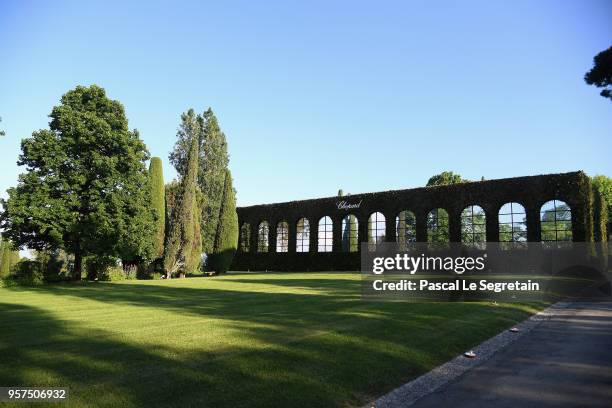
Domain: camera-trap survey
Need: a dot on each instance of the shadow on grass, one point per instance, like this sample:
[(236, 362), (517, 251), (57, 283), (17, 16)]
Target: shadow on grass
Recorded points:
[(320, 350)]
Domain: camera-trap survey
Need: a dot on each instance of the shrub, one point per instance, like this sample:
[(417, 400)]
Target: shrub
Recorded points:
[(97, 266), (131, 272), (27, 272), (112, 274)]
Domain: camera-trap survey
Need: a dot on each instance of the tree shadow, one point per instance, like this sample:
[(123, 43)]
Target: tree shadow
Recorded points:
[(299, 349)]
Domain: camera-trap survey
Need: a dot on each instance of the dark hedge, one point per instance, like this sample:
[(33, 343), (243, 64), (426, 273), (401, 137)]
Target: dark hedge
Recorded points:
[(531, 192)]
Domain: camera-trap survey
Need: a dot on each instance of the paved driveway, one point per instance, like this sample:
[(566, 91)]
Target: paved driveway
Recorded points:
[(564, 362)]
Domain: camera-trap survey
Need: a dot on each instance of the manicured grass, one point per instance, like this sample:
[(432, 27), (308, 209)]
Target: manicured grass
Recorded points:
[(261, 340)]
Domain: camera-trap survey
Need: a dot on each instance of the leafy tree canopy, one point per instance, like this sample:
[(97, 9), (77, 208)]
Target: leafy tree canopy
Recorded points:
[(445, 178), (212, 165), (85, 188), (184, 243), (601, 73)]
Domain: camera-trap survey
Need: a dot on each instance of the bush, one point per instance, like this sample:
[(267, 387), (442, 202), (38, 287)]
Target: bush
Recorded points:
[(55, 266), (28, 273), (132, 272), (112, 274), (97, 267)]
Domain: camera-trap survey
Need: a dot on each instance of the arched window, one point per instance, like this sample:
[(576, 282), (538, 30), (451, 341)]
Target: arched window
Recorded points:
[(376, 230), (263, 232), (325, 234), (282, 237), (473, 225), (350, 233), (405, 228), (512, 223), (245, 237), (302, 236), (556, 221), (437, 225)]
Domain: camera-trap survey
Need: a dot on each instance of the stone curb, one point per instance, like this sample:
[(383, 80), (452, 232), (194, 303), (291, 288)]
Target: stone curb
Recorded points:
[(409, 393)]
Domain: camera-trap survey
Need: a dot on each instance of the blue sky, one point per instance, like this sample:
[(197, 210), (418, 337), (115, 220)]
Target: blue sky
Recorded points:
[(317, 96)]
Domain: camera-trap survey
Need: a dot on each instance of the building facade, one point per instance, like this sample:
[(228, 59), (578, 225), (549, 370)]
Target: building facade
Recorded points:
[(325, 234)]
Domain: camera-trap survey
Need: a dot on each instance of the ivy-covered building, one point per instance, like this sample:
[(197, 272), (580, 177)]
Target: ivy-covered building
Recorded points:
[(326, 233)]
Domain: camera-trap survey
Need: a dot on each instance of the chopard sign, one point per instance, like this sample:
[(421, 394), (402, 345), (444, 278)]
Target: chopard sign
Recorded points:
[(345, 205)]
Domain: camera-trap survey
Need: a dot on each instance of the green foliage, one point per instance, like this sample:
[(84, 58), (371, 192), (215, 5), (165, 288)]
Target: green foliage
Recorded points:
[(115, 274), (603, 184), (182, 244), (2, 133), (55, 265), (556, 225), (601, 73), (601, 215), (86, 186), (172, 191), (4, 259), (226, 238), (98, 267), (9, 257), (438, 226), (213, 162), (28, 272), (212, 178), (473, 225), (156, 180), (445, 178), (192, 265)]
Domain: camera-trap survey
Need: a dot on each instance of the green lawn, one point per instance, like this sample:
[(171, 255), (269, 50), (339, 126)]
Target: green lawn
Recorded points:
[(262, 340)]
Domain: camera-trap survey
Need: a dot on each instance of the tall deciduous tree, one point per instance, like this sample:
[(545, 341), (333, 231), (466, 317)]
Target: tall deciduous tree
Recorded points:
[(445, 178), (213, 162), (601, 73), (85, 189), (182, 245), (226, 237), (158, 202)]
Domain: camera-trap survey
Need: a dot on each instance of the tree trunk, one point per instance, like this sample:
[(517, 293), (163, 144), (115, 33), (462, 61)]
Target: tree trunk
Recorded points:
[(78, 266)]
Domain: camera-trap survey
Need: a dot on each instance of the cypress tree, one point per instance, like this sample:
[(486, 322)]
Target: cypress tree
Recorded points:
[(181, 245), (212, 178), (195, 255), (5, 266), (213, 161), (158, 202), (8, 258), (226, 236), (1, 251), (15, 258)]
